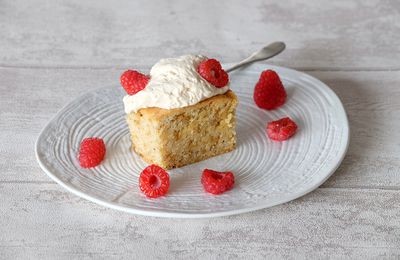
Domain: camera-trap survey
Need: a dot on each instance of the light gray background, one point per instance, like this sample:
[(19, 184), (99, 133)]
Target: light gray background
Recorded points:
[(52, 51)]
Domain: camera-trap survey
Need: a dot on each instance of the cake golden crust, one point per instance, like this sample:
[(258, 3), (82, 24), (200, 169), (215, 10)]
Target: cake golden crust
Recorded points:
[(157, 113), (173, 138)]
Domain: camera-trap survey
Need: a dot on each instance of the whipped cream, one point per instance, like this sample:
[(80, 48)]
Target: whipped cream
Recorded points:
[(174, 83)]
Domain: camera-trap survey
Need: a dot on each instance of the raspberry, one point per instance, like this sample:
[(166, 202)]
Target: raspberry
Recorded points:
[(212, 71), (91, 152), (133, 81), (269, 92), (217, 182), (154, 181), (281, 129)]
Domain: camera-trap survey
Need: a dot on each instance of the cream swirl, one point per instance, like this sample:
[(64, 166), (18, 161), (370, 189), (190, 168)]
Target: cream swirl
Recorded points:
[(174, 83)]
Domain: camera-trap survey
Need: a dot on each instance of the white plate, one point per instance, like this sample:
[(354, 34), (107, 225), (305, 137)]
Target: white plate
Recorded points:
[(267, 173)]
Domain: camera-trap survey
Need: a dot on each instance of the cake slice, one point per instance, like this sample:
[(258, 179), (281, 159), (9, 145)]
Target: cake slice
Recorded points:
[(173, 138), (183, 112)]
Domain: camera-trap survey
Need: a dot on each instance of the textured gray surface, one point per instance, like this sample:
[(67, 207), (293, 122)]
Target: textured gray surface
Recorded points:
[(330, 34), (49, 223), (52, 51)]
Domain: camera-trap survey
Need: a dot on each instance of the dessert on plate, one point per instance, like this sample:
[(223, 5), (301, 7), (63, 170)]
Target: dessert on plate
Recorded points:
[(182, 113)]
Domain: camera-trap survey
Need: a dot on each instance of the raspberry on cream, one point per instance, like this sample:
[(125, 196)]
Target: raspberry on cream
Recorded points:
[(174, 83)]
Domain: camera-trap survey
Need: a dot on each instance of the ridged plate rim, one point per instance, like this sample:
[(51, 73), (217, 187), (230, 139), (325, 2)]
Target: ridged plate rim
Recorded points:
[(160, 213)]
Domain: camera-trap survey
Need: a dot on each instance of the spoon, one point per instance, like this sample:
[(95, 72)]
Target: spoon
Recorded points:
[(267, 52)]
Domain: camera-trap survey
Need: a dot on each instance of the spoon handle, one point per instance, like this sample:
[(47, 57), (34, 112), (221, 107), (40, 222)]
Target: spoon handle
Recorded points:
[(266, 52)]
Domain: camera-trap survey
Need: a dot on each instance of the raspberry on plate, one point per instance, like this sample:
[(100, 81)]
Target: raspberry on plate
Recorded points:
[(217, 182), (133, 81), (281, 129), (154, 181), (212, 71), (91, 152), (269, 92)]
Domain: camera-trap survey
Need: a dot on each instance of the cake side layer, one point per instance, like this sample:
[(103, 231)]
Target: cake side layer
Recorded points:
[(177, 137), (145, 137)]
